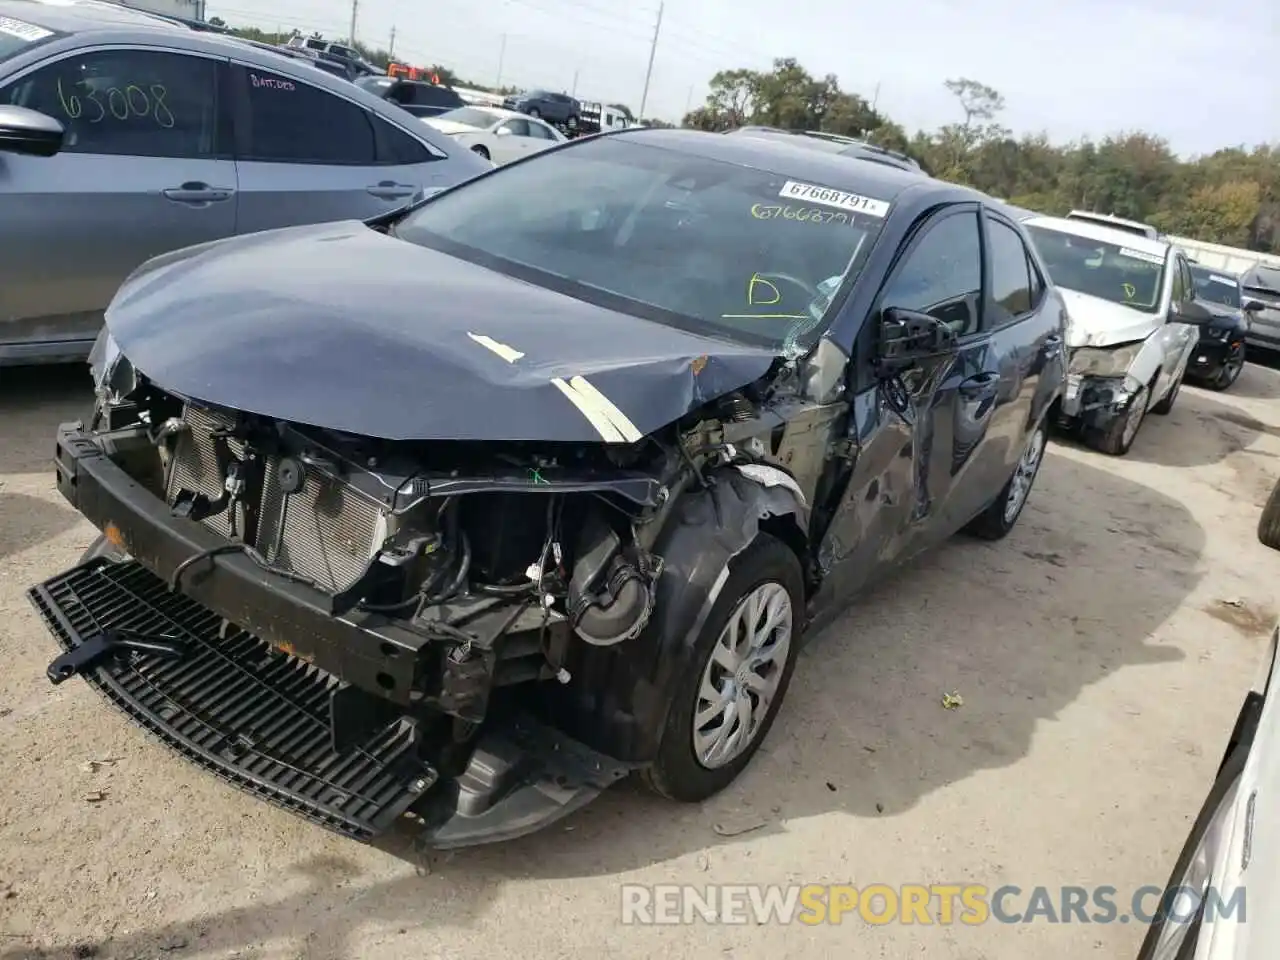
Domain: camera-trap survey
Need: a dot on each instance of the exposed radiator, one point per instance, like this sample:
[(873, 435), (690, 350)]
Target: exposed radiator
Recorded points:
[(325, 531)]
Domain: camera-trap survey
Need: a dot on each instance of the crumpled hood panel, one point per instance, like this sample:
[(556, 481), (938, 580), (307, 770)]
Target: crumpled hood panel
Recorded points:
[(1100, 323), (342, 327)]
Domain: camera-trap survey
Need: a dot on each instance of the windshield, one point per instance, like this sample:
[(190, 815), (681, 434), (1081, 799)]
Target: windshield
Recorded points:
[(470, 117), (18, 35), (1216, 287), (710, 247), (1263, 278), (1109, 271)]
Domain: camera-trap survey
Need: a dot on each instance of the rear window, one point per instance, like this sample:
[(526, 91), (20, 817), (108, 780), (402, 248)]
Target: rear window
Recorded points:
[(427, 95), (19, 35), (1264, 279), (711, 247)]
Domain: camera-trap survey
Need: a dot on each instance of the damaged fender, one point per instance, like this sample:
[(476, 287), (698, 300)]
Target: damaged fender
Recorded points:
[(620, 696)]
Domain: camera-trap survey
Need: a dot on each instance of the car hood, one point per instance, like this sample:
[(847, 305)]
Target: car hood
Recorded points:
[(1095, 322), (343, 327)]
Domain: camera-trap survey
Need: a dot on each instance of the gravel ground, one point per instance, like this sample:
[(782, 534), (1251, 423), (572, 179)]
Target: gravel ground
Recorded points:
[(1102, 651)]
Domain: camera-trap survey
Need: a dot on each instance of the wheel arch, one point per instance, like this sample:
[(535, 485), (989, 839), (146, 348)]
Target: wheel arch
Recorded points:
[(619, 697)]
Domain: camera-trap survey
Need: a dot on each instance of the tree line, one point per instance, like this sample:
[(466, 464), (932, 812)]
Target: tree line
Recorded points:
[(1231, 196)]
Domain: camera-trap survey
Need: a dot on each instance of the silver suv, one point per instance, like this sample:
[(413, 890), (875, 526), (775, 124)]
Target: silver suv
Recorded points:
[(124, 136), (1260, 284)]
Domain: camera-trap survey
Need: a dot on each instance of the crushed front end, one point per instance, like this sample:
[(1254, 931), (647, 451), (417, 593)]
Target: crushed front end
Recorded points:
[(326, 622), (1100, 386), (366, 631)]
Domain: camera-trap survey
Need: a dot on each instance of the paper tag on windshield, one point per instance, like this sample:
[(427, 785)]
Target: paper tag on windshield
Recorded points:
[(1140, 255), (813, 193), (23, 30), (1218, 279)]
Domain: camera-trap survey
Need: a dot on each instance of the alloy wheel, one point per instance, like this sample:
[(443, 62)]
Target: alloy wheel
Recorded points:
[(1025, 475), (742, 675)]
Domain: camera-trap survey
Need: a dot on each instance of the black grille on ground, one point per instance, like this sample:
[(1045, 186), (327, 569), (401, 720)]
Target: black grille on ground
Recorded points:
[(234, 705)]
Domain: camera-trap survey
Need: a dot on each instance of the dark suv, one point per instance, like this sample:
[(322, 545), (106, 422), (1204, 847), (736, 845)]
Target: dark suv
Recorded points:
[(416, 96), (552, 107)]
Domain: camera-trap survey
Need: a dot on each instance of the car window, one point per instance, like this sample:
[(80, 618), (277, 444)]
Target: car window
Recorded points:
[(394, 146), (1010, 273), (426, 95), (540, 131), (294, 122), (135, 103), (519, 128), (676, 238), (942, 274)]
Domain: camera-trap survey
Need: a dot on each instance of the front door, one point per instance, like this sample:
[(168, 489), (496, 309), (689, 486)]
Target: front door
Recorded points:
[(145, 168), (914, 435)]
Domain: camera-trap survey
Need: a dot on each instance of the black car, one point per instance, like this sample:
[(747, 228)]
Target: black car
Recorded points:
[(558, 108), (420, 98), (1220, 353), (469, 510)]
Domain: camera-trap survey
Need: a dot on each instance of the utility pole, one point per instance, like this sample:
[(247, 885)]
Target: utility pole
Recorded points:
[(875, 97), (574, 92), (355, 5), (688, 102), (653, 48), (502, 55), (391, 50)]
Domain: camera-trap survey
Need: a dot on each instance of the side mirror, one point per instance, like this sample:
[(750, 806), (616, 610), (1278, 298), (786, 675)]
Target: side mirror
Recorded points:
[(908, 336), (1253, 306), (502, 132), (28, 132)]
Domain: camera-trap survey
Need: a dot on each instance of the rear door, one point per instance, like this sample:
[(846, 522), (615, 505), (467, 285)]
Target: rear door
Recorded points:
[(306, 155), (1262, 284), (146, 168)]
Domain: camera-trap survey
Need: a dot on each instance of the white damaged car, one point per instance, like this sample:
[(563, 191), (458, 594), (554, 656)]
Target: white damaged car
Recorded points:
[(1134, 323)]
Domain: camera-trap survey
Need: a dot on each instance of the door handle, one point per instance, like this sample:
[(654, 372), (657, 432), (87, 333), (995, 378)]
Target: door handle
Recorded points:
[(390, 190), (1053, 340), (980, 386), (196, 193)]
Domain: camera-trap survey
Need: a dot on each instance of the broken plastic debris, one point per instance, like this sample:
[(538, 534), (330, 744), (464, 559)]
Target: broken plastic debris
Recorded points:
[(1233, 602), (738, 829), (95, 796), (952, 700)]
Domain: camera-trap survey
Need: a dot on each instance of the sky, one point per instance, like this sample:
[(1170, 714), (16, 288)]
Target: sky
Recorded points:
[(1203, 74)]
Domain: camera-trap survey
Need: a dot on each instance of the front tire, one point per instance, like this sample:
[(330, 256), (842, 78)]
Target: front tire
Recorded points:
[(722, 708), (1229, 373), (1166, 403), (482, 150), (997, 520), (1118, 436)]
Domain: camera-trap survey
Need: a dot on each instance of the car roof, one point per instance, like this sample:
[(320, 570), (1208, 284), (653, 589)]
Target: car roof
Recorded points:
[(1091, 215), (1092, 230), (880, 181), (81, 16)]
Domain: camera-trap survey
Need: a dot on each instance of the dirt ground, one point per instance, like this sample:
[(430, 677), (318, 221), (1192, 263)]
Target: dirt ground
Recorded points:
[(1101, 651)]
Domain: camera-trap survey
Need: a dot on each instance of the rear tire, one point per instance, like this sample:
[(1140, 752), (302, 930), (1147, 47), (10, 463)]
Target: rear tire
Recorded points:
[(995, 522), (678, 773), (1269, 522)]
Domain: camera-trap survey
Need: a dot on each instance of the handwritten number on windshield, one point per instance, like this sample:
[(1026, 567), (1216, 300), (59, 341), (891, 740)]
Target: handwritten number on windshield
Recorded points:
[(1130, 291), (758, 288), (121, 103), (773, 211)]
